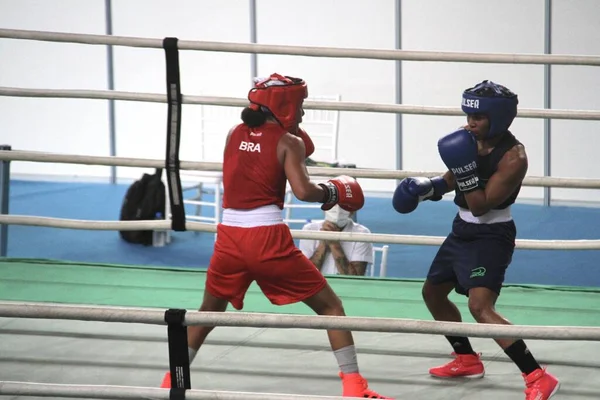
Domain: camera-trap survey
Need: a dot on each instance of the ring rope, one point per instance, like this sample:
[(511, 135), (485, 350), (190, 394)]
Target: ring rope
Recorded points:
[(314, 105), (287, 321), (37, 156), (309, 51), (133, 392), (526, 244)]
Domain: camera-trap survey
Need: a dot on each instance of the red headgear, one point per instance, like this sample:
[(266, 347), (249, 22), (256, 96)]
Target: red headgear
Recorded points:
[(281, 95)]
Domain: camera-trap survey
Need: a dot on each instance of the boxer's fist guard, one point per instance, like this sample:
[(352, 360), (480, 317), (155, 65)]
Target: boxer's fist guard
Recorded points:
[(458, 150), (411, 191), (344, 191)]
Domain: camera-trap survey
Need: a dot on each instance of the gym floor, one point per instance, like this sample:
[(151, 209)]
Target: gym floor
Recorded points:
[(274, 360)]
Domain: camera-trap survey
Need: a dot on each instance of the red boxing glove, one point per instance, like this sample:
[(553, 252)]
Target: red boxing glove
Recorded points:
[(345, 191), (308, 143)]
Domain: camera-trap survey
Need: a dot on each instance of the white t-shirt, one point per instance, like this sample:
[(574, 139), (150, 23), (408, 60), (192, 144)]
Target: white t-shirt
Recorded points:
[(354, 251)]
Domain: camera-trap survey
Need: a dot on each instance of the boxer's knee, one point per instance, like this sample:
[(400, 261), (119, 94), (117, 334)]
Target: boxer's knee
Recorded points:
[(436, 293), (335, 306), (326, 302), (212, 302), (482, 304)]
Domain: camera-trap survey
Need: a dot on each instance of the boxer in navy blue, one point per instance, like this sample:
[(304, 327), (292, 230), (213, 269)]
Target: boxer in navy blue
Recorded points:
[(486, 167)]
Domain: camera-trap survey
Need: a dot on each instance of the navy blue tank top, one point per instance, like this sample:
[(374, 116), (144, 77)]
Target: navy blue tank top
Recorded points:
[(487, 165)]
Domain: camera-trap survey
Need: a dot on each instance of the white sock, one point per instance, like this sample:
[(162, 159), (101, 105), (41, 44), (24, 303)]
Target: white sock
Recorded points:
[(346, 358)]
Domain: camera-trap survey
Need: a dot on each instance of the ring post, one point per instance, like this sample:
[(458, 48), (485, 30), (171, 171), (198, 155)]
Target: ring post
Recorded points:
[(174, 100), (179, 361), (4, 191)]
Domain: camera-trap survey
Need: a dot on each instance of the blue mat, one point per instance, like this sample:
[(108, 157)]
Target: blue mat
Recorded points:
[(94, 201)]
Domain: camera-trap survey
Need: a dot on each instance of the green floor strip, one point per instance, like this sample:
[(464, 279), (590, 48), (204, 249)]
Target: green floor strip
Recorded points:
[(133, 286)]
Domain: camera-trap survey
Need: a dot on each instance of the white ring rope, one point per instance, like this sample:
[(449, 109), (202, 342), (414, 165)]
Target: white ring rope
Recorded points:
[(315, 105), (287, 321), (133, 392), (374, 54), (36, 156), (526, 244)]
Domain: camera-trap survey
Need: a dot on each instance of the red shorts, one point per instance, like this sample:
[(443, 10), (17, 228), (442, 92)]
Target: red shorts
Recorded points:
[(267, 255)]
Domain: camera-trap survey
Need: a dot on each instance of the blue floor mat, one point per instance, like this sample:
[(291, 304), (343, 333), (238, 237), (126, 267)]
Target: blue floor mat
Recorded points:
[(96, 201)]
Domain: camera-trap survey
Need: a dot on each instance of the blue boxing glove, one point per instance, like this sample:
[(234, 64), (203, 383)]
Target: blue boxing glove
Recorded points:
[(411, 191), (459, 152)]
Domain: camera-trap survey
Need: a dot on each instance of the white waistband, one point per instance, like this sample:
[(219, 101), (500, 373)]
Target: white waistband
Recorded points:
[(490, 217), (261, 216)]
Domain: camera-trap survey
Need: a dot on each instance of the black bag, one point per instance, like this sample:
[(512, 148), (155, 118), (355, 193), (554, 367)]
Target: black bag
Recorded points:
[(144, 200)]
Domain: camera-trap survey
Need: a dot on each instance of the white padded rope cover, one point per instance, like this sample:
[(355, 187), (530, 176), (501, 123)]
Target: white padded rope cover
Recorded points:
[(133, 392), (316, 105), (529, 244), (374, 54), (36, 156), (286, 321)]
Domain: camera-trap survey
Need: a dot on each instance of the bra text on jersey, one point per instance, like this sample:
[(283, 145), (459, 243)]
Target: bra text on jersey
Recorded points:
[(249, 146)]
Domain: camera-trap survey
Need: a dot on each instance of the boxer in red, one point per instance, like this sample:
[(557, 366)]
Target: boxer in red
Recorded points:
[(253, 244)]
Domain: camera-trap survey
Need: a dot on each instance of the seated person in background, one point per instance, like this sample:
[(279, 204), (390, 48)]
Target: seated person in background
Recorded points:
[(332, 257)]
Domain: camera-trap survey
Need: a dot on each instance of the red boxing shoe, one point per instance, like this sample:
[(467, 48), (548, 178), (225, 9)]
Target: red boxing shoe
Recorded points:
[(354, 385), (540, 385), (463, 366), (166, 382)]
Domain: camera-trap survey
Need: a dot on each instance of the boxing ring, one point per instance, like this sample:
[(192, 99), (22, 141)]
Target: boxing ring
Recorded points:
[(124, 351)]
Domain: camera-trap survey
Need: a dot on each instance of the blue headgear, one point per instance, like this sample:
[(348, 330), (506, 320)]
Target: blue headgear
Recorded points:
[(493, 100)]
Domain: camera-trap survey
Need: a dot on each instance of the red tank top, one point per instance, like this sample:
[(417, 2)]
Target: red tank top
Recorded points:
[(252, 174)]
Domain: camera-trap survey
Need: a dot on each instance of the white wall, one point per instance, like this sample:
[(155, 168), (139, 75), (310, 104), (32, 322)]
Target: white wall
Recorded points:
[(367, 139), (141, 127), (576, 29), (54, 125)]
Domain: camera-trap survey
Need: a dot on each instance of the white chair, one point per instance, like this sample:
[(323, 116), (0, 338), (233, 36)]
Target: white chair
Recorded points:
[(323, 128), (382, 263)]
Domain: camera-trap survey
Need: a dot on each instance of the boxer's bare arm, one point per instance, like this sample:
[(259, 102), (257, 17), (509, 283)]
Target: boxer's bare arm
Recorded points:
[(450, 181), (227, 140), (291, 152), (511, 171)]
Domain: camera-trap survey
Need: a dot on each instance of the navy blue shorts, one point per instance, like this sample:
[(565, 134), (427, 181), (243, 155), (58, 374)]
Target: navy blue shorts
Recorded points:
[(474, 255)]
